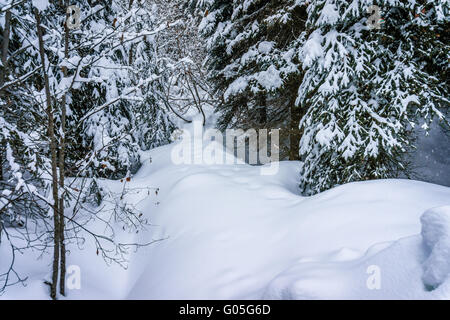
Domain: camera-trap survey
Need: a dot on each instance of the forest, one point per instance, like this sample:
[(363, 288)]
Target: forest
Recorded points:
[(250, 149)]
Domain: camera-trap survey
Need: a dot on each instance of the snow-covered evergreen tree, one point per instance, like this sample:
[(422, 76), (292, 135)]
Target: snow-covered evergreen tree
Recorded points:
[(366, 85), (77, 103), (119, 78), (253, 62), (24, 161)]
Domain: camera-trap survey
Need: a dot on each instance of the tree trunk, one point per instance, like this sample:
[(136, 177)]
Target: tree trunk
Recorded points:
[(1, 161), (294, 131), (296, 115), (262, 112), (54, 162), (62, 280), (5, 48)]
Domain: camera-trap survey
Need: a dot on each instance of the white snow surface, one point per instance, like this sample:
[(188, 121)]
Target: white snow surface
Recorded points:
[(436, 235), (41, 5), (231, 233)]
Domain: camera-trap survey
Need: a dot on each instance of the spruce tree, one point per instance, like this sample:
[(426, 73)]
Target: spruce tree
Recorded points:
[(253, 63), (366, 86)]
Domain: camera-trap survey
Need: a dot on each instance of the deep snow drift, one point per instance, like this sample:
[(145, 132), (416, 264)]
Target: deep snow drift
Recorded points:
[(231, 233)]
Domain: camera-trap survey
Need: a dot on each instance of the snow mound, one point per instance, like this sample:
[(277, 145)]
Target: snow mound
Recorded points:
[(436, 236), (391, 273), (392, 270)]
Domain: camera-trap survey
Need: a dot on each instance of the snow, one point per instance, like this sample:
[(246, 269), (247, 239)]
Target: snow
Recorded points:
[(237, 86), (329, 14), (312, 49), (41, 5), (265, 47), (407, 268), (436, 235), (228, 232)]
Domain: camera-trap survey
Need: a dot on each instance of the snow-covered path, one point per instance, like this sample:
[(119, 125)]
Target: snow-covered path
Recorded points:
[(231, 233)]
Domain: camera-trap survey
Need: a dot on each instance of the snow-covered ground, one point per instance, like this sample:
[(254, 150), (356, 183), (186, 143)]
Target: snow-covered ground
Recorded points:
[(231, 233)]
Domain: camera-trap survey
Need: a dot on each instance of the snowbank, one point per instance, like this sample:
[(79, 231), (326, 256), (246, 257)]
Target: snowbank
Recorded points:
[(436, 236), (386, 271)]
